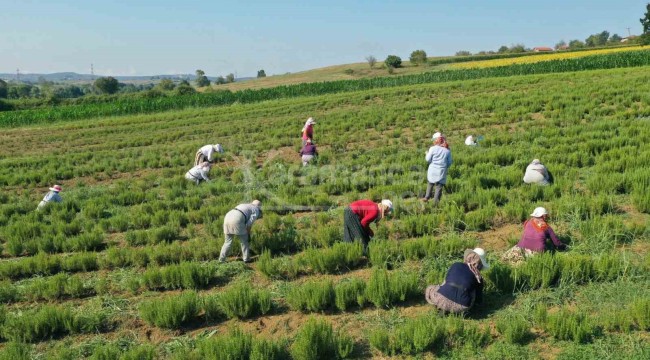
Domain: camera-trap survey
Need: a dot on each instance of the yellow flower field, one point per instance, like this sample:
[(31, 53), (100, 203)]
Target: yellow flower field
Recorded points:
[(542, 57)]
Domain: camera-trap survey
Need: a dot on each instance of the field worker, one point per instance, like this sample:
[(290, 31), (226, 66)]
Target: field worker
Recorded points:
[(533, 240), (308, 152), (51, 196), (199, 173), (469, 141), (439, 159), (205, 153), (239, 221), (463, 285), (308, 131), (536, 173), (359, 215)]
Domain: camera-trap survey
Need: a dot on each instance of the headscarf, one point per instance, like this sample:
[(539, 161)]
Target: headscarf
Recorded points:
[(536, 162), (309, 121), (539, 224), (473, 261), (441, 141)]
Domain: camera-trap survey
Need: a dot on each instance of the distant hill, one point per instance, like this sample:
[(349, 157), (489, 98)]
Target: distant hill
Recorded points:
[(75, 77)]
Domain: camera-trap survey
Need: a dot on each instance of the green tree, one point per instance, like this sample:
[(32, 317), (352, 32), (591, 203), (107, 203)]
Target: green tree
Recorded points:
[(464, 53), (261, 73), (166, 85), (220, 80), (576, 44), (418, 57), (615, 39), (230, 78), (184, 88), (201, 80), (645, 21), (517, 48), (503, 49), (560, 45), (3, 89), (107, 85), (393, 61)]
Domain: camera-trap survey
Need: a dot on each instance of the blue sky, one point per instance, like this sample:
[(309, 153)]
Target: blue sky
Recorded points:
[(144, 37)]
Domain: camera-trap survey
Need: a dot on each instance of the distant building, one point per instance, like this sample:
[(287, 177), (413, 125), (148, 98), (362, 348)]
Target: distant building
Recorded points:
[(542, 49), (628, 38), (563, 47)]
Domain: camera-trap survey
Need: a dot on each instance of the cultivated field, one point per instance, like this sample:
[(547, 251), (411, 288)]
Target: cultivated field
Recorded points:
[(125, 267)]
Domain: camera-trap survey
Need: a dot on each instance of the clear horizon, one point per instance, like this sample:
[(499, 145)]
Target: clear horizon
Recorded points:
[(165, 37)]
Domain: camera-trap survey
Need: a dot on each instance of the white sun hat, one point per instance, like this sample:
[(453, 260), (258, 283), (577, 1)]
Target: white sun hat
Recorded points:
[(435, 136), (481, 253), (218, 148), (539, 212)]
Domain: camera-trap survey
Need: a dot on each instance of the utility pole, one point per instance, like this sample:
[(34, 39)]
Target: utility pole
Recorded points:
[(92, 72), (628, 32), (17, 74)]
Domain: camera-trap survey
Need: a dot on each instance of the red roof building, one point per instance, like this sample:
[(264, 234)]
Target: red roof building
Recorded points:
[(542, 49)]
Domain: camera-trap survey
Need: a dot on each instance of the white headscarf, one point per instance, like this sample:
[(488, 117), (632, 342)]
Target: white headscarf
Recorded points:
[(309, 121)]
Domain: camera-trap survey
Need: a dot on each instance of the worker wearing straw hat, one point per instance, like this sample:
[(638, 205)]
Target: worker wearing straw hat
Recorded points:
[(206, 153), (51, 196), (533, 240), (463, 285), (239, 221)]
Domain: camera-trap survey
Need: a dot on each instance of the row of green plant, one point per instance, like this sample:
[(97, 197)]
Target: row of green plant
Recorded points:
[(56, 287), (238, 301), (382, 290), (51, 321), (163, 103)]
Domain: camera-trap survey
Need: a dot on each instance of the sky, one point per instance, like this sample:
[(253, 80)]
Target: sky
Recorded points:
[(146, 37)]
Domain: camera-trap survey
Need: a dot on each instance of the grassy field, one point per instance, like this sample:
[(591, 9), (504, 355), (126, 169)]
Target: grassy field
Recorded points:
[(125, 267), (363, 70)]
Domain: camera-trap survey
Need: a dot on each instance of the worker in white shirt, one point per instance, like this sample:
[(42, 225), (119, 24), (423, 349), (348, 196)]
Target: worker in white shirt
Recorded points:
[(51, 196), (205, 153), (199, 173), (238, 222)]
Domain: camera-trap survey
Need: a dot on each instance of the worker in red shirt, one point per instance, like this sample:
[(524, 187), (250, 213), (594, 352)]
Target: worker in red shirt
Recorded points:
[(358, 217)]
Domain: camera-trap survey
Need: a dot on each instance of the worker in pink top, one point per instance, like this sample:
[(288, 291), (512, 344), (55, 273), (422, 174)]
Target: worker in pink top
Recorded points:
[(308, 131), (359, 215), (533, 240)]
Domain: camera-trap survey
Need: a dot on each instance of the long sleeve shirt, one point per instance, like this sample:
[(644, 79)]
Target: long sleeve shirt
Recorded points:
[(198, 173), (535, 235), (51, 196), (536, 173), (309, 149), (207, 151), (308, 133), (251, 213), (367, 211), (439, 159), (460, 284)]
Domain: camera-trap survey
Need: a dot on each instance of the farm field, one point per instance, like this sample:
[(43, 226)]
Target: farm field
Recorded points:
[(126, 267), (543, 57)]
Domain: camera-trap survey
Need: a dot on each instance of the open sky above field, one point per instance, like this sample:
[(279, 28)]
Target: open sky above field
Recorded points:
[(153, 37)]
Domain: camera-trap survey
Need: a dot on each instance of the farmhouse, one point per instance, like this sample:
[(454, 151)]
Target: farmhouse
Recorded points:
[(542, 49)]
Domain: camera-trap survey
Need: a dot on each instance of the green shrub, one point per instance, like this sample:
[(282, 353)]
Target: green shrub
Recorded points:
[(393, 61), (264, 349), (186, 275), (317, 340), (640, 312), (566, 325), (171, 312), (514, 328), (311, 296), (235, 345), (349, 292), (384, 288), (241, 301), (341, 256), (16, 351), (276, 234)]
